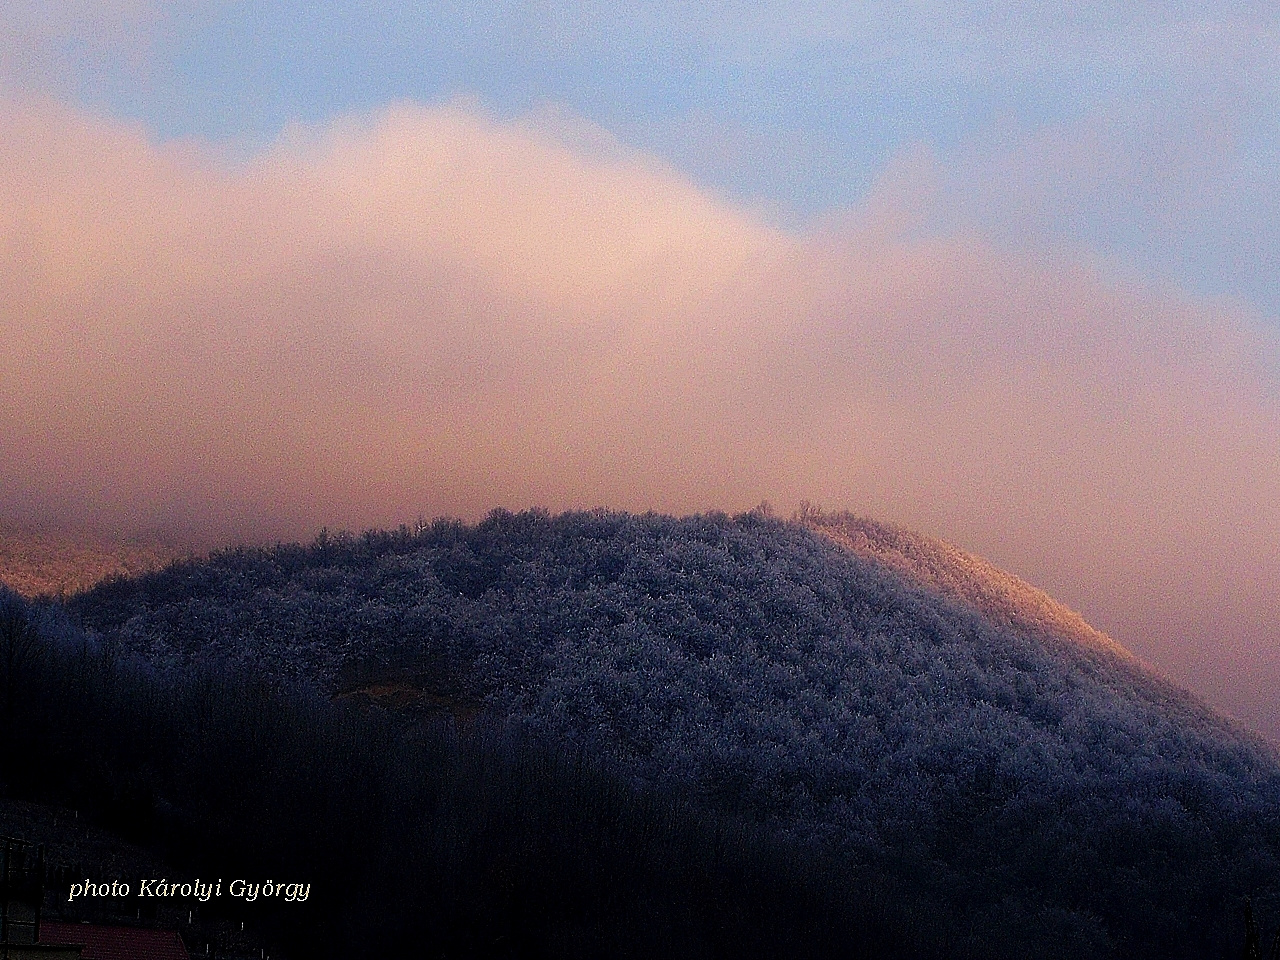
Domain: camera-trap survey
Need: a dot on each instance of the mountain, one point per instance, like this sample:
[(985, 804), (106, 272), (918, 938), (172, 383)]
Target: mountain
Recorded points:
[(939, 724), (34, 563)]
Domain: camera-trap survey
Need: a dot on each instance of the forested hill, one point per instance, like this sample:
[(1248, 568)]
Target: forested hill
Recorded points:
[(886, 694)]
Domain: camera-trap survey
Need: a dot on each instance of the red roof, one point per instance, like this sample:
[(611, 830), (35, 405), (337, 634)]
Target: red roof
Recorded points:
[(115, 943)]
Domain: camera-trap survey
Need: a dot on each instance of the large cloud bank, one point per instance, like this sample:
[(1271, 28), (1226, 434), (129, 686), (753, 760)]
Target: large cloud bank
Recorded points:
[(428, 312)]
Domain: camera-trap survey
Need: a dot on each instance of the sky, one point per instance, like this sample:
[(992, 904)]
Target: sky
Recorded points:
[(1005, 273)]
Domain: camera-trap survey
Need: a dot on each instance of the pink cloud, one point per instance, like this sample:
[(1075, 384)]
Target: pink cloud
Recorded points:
[(427, 312)]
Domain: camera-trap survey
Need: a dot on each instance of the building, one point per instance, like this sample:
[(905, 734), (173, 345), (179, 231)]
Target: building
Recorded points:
[(96, 942), (26, 935)]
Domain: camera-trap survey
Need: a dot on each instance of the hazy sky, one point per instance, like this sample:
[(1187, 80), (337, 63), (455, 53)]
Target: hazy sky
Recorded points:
[(1005, 273)]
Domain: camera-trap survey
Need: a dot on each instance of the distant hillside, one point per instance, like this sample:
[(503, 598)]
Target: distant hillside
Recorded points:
[(900, 700), (33, 563)]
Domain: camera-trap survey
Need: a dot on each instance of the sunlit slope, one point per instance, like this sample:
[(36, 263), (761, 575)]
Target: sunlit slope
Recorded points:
[(1007, 602), (1002, 598), (878, 690)]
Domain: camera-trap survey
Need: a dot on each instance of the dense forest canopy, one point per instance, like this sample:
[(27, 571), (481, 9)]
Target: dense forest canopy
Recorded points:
[(903, 705)]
